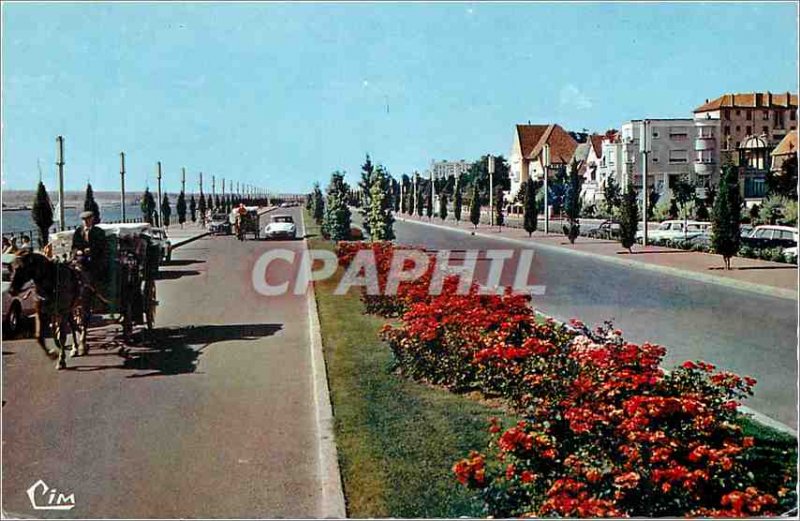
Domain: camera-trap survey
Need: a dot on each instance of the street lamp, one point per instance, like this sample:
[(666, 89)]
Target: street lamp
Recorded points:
[(546, 165), (491, 190), (645, 144)]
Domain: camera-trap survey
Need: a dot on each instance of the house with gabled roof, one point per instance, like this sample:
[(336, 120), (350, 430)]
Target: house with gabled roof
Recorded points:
[(526, 160)]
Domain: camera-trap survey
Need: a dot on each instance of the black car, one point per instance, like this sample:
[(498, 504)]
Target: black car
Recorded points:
[(220, 224), (606, 230), (771, 236)]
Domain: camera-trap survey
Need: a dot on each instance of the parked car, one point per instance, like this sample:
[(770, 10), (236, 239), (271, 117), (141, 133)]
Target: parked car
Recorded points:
[(281, 226), (160, 238), (673, 230), (220, 224), (790, 254), (606, 230), (16, 309), (771, 236)]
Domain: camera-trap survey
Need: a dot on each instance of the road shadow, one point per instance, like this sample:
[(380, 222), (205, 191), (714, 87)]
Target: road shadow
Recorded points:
[(176, 274), (746, 268), (183, 262), (174, 351), (590, 243), (660, 252)]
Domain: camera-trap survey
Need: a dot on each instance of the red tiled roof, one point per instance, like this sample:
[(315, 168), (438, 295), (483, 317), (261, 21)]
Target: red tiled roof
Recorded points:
[(597, 144), (532, 139), (750, 100), (787, 146)]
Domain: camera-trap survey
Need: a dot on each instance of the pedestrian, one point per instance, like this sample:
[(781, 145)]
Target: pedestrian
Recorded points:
[(12, 246), (6, 244), (26, 243)]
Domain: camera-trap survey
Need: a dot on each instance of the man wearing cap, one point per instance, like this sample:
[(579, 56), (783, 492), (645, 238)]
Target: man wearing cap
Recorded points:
[(89, 247)]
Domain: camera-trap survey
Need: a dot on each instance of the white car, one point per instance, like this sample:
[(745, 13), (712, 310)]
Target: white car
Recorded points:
[(282, 226), (673, 230), (16, 308), (790, 254)]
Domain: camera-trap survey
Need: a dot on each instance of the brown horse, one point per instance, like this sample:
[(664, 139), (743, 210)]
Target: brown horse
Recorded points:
[(59, 288)]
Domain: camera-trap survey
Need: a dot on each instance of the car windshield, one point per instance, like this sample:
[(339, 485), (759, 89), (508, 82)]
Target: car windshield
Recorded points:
[(219, 217), (665, 226), (282, 219)]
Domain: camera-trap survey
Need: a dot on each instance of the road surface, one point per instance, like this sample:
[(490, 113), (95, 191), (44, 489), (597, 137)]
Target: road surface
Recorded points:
[(747, 333), (220, 424)]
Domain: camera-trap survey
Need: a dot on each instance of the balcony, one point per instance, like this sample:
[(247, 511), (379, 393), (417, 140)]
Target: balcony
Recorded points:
[(704, 167), (704, 144)]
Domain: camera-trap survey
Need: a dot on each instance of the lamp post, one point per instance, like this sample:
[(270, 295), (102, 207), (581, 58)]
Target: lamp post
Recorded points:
[(122, 183), (60, 163), (546, 165), (645, 144), (491, 190), (158, 205)]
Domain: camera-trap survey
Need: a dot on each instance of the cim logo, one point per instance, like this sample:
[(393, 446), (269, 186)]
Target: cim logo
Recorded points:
[(45, 498)]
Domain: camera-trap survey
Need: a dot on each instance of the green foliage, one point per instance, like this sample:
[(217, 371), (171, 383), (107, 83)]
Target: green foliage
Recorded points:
[(42, 213), (429, 201), (443, 206), (317, 204), (364, 188), (148, 205), (673, 211), (193, 208), (419, 204), (336, 223), (499, 217), (701, 211), (726, 216), (166, 211), (89, 204), (772, 209), (790, 213), (180, 207), (478, 175), (628, 218), (457, 200), (531, 214), (572, 202), (475, 208), (612, 196), (784, 183), (379, 220)]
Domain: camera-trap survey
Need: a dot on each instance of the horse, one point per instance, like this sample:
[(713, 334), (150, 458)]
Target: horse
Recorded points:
[(62, 298)]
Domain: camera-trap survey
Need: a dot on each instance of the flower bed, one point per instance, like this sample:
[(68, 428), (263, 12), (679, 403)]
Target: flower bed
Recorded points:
[(608, 432)]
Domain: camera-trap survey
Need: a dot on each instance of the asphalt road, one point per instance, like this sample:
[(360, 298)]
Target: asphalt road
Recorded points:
[(740, 331), (219, 424)]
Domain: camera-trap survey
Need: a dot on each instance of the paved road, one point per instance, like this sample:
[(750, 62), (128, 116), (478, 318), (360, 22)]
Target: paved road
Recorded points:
[(741, 331), (221, 424)]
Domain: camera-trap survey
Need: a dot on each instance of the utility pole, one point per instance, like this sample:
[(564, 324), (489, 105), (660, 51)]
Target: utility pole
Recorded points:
[(414, 199), (645, 144), (122, 182), (223, 188), (183, 180), (158, 205), (491, 190), (60, 163), (546, 164), (201, 182)]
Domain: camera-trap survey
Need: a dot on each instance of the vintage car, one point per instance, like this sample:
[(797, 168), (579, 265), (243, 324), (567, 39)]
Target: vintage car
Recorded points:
[(282, 226), (18, 308), (220, 224)]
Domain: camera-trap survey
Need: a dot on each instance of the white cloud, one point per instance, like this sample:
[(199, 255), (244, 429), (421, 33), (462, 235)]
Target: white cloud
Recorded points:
[(572, 97)]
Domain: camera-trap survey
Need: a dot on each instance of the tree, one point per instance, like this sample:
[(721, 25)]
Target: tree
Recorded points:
[(701, 212), (420, 202), (180, 207), (475, 208), (672, 213), (443, 206), (429, 201), (572, 202), (628, 218), (89, 204), (193, 208), (336, 223), (531, 214), (684, 192), (726, 216), (42, 213), (379, 214), (166, 211), (317, 204), (201, 207), (148, 205), (395, 195), (783, 183), (478, 175), (499, 203), (612, 196), (558, 190), (457, 200), (364, 188)]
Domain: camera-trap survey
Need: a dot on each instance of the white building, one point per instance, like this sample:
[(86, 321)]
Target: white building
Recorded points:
[(445, 169)]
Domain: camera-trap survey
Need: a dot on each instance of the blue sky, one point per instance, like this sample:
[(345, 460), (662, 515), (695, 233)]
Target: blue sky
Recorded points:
[(280, 95)]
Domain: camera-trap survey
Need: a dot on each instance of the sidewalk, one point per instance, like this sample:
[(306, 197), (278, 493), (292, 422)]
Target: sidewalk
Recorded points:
[(771, 278)]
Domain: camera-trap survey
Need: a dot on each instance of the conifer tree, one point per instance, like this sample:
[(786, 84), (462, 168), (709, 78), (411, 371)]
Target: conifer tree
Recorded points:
[(726, 216), (499, 216), (201, 208), (336, 224), (443, 207), (193, 208), (429, 202), (572, 202), (42, 213), (379, 213), (457, 200), (89, 204), (166, 211), (475, 208), (180, 207), (629, 218), (148, 206), (530, 217)]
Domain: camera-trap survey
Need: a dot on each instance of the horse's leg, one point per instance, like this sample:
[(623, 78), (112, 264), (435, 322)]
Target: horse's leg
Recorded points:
[(41, 320), (60, 338), (74, 324)]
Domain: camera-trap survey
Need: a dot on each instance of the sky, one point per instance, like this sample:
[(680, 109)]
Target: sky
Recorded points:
[(279, 95)]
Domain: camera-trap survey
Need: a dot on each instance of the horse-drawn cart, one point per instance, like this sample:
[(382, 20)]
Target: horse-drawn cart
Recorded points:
[(247, 222), (128, 285)]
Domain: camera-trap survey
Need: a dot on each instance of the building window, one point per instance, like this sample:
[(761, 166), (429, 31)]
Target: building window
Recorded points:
[(765, 116), (738, 128), (792, 115), (749, 115), (727, 130), (726, 114), (738, 112), (678, 156), (765, 130), (655, 136), (748, 130)]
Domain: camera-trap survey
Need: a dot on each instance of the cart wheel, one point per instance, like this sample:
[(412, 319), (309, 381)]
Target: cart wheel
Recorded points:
[(150, 303)]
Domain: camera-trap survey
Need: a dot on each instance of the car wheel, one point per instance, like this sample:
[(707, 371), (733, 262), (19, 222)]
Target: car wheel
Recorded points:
[(13, 319)]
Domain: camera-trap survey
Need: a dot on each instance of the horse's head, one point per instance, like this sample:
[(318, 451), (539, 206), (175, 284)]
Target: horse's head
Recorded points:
[(27, 266)]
